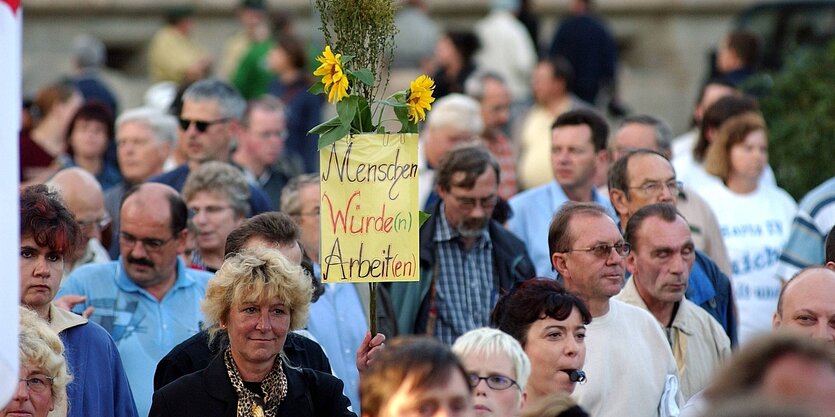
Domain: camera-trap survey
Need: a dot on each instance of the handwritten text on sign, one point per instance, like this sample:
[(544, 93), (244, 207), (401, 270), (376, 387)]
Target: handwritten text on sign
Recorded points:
[(369, 209)]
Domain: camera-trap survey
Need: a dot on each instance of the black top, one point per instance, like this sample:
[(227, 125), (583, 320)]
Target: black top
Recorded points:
[(209, 393), (195, 354)]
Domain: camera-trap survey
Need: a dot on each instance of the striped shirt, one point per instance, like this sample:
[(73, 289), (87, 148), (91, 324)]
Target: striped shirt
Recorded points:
[(815, 217), (464, 288)]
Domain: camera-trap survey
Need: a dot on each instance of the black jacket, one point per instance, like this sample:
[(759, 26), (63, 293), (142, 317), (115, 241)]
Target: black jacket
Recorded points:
[(209, 393), (195, 354)]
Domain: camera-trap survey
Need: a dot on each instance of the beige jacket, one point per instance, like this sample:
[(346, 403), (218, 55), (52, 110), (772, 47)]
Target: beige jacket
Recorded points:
[(698, 341)]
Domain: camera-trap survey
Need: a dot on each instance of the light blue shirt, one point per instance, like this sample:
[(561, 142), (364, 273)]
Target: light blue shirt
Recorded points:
[(145, 329), (337, 321), (532, 213)]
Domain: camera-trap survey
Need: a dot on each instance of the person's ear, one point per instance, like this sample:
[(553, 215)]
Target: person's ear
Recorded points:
[(558, 261), (632, 262), (776, 321), (619, 202)]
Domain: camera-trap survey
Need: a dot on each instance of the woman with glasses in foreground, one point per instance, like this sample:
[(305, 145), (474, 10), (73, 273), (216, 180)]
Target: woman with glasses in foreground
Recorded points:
[(43, 374), (550, 325), (497, 370)]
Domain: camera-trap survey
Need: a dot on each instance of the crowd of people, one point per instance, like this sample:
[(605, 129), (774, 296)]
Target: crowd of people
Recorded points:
[(578, 261)]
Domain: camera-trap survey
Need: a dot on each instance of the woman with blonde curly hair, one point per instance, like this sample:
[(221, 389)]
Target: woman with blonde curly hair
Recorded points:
[(754, 218), (43, 380), (253, 301)]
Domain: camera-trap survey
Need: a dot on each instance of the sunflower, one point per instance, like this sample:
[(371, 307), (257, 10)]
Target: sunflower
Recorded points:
[(420, 98), (333, 77)]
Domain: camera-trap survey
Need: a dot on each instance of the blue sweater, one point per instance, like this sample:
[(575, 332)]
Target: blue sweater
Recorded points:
[(99, 387)]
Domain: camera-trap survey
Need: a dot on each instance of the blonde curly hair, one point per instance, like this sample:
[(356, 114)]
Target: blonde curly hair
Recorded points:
[(41, 347), (255, 275)]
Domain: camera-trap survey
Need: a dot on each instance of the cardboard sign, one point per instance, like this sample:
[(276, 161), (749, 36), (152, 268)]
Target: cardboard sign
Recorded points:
[(369, 209)]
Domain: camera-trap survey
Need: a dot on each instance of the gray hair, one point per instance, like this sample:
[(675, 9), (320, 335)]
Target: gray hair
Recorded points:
[(456, 111), (266, 103), (163, 125), (88, 51), (474, 86), (663, 132), (232, 104), (289, 201), (219, 178)]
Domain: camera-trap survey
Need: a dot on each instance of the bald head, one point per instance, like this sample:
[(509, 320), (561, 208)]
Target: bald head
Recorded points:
[(807, 304), (153, 198), (84, 198)]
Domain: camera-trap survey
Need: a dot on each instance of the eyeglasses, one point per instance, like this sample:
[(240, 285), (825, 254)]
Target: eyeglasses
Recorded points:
[(603, 250), (496, 382), (316, 212), (200, 125), (98, 223), (469, 203), (151, 245), (37, 383), (655, 188), (209, 210)]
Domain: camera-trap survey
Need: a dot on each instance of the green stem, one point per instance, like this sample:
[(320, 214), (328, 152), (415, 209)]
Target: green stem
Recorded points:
[(372, 286)]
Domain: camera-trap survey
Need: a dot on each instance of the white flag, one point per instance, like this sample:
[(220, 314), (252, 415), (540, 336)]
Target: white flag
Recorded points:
[(10, 105)]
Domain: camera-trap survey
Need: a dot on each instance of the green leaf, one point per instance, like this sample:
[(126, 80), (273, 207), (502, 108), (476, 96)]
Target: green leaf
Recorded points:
[(347, 109), (363, 123), (423, 217), (406, 125), (346, 59), (317, 88), (364, 75), (333, 135), (326, 126)]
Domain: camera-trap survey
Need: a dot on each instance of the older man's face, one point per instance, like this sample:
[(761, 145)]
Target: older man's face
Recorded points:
[(495, 105), (469, 210), (593, 276), (650, 179), (147, 245), (661, 259), (140, 153), (263, 138), (809, 305)]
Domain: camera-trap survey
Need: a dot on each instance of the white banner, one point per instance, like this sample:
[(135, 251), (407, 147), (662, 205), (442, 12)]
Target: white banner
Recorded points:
[(10, 105)]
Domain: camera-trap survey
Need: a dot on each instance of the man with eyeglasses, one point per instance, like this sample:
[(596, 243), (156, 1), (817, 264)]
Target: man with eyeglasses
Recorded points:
[(85, 200), (629, 364), (662, 255), (643, 177), (643, 131), (578, 149), (48, 235), (466, 259), (209, 121), (147, 299), (261, 151)]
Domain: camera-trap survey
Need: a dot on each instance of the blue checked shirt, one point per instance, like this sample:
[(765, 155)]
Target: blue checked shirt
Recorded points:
[(464, 287)]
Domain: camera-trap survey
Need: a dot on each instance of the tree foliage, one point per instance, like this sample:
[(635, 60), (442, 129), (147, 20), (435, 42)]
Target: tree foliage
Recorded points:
[(800, 111)]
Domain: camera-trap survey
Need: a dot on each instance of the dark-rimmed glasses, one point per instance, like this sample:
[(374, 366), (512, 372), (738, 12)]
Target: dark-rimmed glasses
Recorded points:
[(603, 250), (496, 382), (200, 125), (128, 240)]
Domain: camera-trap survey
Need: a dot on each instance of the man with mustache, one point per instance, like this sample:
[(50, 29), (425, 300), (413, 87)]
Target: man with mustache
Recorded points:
[(147, 299), (466, 259)]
